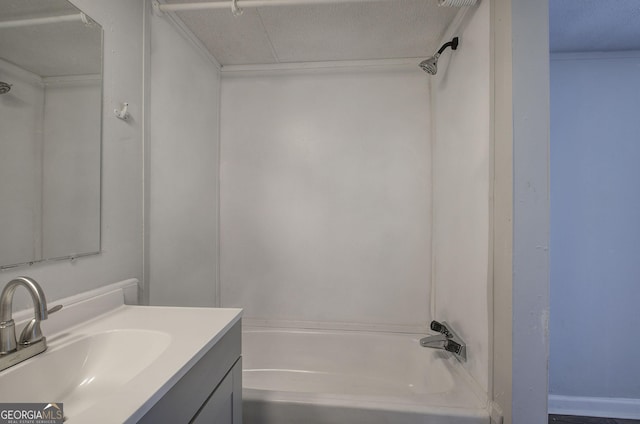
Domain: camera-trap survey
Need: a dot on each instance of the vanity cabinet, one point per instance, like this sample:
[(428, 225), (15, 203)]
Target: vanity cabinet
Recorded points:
[(225, 403), (210, 392)]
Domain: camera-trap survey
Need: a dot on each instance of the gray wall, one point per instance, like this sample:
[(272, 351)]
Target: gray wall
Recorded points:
[(325, 206), (122, 194), (182, 162), (595, 205), (520, 129), (461, 189), (530, 108)]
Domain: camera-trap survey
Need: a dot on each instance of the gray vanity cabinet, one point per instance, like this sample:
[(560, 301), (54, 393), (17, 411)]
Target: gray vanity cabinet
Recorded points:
[(210, 392), (225, 403)]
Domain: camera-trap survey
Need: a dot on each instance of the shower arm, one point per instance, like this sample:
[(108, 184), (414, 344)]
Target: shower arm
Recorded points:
[(453, 44)]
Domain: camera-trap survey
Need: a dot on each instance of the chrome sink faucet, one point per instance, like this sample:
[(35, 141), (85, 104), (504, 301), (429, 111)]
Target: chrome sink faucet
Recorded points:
[(31, 343)]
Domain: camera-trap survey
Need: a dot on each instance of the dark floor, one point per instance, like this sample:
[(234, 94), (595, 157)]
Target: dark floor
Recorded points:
[(566, 419)]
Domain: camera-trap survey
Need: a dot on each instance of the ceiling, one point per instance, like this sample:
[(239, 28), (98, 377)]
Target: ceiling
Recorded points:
[(389, 30), (315, 33), (594, 25), (309, 33)]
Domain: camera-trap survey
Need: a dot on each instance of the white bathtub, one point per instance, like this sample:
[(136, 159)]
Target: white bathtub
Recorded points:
[(349, 377)]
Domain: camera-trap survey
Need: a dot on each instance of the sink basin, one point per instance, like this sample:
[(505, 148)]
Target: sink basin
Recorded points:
[(80, 371)]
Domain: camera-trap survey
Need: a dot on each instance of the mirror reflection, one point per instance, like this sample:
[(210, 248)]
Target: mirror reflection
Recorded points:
[(50, 131)]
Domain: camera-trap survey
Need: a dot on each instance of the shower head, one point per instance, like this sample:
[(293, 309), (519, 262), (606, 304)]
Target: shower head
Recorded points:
[(4, 87), (430, 65)]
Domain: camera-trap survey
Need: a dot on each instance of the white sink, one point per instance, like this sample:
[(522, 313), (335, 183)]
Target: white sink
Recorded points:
[(84, 369), (108, 362)]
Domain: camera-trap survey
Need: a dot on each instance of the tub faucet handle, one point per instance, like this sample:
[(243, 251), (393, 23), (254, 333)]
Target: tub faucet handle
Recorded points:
[(440, 328), (447, 340), (453, 347)]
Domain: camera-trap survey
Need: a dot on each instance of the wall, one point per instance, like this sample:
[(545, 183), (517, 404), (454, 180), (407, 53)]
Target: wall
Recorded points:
[(595, 204), (183, 170), (325, 196), (461, 189), (21, 118), (71, 166), (122, 194), (520, 117), (501, 294), (530, 210)]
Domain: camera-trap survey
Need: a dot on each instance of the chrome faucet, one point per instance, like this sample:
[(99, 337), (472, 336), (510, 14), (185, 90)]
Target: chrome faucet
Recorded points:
[(436, 342), (32, 342), (447, 340)]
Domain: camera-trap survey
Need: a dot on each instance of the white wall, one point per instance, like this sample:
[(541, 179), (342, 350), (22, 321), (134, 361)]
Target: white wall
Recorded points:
[(21, 116), (122, 194), (183, 171), (461, 189), (520, 129), (530, 288), (595, 204), (325, 196), (71, 166)]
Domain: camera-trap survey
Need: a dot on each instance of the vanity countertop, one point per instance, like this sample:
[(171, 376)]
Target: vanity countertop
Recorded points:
[(112, 368)]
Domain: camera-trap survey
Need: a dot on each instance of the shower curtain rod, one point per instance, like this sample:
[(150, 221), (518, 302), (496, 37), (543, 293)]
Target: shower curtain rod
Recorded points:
[(76, 17), (181, 7)]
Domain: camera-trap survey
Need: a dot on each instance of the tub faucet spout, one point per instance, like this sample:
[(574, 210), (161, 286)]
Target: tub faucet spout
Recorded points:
[(436, 342)]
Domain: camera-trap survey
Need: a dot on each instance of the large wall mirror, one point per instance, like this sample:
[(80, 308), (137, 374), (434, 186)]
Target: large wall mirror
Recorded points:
[(50, 131)]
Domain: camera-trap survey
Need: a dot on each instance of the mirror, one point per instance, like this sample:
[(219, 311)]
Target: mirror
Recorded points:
[(50, 131)]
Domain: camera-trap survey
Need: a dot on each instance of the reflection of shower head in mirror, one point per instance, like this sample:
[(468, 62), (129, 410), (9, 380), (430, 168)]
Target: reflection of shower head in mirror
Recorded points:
[(4, 87)]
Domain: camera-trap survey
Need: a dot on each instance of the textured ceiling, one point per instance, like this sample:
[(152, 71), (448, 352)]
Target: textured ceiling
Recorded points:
[(58, 49), (594, 25), (310, 33)]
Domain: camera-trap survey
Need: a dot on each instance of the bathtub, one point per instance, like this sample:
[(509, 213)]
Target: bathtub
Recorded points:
[(348, 377)]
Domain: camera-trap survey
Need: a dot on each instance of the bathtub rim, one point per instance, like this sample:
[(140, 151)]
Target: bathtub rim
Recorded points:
[(349, 402), (477, 407)]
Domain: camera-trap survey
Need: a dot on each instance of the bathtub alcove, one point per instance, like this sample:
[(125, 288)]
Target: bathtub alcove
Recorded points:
[(335, 192)]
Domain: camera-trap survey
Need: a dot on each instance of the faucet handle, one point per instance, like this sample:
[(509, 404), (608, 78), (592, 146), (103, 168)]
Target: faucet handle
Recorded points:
[(440, 328), (32, 332), (453, 347)]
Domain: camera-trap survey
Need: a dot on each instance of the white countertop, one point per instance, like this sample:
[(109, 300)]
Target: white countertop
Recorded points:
[(187, 334)]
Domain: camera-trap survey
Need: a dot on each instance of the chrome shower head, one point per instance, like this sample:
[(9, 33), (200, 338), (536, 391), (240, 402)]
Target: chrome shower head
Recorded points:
[(430, 65), (4, 87)]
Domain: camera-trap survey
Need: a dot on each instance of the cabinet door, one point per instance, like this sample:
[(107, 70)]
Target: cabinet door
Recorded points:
[(224, 406)]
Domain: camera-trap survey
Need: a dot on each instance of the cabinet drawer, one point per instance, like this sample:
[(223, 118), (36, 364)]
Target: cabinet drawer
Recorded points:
[(224, 406)]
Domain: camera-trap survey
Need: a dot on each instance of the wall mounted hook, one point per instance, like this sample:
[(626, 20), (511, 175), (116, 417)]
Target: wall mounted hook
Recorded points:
[(123, 113), (235, 9)]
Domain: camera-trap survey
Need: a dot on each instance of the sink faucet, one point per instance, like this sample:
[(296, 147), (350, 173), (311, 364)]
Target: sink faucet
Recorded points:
[(30, 344)]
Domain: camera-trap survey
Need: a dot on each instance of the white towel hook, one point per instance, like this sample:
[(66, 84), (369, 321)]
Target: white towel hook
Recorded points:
[(235, 9), (123, 113)]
